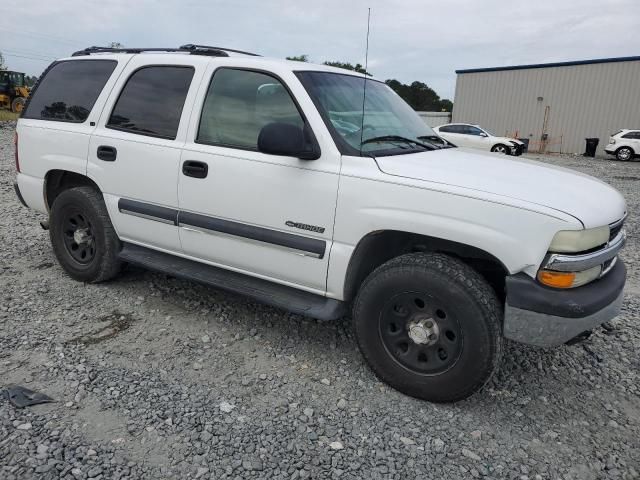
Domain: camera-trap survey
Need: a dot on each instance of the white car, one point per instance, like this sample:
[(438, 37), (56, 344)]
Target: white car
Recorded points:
[(473, 136), (254, 175), (624, 144)]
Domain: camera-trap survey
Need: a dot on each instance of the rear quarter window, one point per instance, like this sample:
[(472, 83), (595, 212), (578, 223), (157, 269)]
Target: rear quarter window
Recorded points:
[(68, 90)]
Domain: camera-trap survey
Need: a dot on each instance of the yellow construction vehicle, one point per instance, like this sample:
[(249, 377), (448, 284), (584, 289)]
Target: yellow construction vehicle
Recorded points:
[(13, 91)]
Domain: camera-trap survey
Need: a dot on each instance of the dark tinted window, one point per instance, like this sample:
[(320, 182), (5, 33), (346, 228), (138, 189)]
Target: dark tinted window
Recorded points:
[(454, 129), (473, 130), (151, 101), (239, 103), (68, 90), (634, 135)]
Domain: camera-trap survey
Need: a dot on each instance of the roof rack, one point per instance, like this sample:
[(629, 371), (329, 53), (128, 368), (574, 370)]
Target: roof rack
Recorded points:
[(188, 48)]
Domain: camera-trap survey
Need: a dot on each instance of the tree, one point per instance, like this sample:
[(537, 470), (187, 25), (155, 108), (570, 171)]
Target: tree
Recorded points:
[(299, 58), (347, 66), (115, 45), (420, 96), (3, 65)]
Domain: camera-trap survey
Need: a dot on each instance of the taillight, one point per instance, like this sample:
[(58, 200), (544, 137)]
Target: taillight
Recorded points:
[(15, 143)]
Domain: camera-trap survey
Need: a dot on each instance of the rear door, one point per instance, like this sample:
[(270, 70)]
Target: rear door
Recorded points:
[(456, 134), (267, 215), (134, 153), (633, 139)]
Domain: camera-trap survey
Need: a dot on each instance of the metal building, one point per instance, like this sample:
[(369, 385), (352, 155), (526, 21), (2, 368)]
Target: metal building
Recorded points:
[(554, 105)]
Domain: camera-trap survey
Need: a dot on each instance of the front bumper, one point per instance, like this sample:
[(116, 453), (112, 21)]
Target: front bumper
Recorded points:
[(610, 149), (547, 317), (516, 149)]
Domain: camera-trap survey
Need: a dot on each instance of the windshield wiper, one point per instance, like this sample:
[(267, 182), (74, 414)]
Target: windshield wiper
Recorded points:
[(432, 139), (398, 138)]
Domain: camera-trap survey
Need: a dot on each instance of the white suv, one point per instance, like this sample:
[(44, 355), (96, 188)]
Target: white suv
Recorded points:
[(473, 136), (624, 144), (264, 177)]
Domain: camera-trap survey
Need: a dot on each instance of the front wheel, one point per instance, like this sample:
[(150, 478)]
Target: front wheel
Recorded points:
[(624, 154), (17, 105), (429, 326), (83, 238), (500, 148)]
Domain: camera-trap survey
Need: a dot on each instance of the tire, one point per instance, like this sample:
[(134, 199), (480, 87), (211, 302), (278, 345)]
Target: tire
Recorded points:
[(500, 148), (624, 154), (464, 313), (79, 217), (17, 105)]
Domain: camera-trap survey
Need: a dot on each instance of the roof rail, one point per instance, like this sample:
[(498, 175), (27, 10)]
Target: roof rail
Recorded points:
[(214, 52), (190, 46)]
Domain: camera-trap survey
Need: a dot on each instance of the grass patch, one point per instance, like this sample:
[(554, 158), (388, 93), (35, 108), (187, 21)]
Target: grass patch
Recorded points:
[(8, 115)]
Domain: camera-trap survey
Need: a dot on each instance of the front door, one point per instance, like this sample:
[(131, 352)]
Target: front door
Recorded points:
[(270, 216)]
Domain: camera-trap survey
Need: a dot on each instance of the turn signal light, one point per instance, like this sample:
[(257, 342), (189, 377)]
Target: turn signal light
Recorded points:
[(556, 279)]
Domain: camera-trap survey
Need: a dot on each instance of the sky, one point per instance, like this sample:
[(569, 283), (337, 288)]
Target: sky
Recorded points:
[(424, 40)]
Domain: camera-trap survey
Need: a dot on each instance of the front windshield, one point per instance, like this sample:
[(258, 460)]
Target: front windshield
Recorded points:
[(17, 79), (389, 125)]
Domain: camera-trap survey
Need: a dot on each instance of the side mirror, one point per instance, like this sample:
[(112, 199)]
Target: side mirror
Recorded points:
[(288, 140), (484, 135)]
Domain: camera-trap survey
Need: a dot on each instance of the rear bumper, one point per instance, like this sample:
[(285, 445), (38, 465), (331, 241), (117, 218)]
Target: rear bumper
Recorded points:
[(546, 317)]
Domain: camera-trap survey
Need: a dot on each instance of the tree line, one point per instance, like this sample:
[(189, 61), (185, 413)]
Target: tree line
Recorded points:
[(417, 94)]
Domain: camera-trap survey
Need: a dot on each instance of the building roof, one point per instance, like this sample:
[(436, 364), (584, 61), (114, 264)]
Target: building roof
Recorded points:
[(549, 65)]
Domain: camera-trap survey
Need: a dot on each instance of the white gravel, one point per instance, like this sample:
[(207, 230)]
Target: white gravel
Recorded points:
[(160, 378)]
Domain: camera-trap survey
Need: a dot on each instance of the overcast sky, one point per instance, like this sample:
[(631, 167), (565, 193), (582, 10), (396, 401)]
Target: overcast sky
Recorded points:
[(424, 40)]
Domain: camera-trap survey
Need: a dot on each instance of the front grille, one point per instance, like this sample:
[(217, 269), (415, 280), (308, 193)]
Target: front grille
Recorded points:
[(614, 228)]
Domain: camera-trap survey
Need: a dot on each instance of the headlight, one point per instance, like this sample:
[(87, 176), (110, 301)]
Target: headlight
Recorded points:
[(574, 241)]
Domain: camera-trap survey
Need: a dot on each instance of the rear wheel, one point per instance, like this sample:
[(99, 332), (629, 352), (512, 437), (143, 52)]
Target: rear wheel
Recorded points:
[(624, 154), (429, 326), (17, 105), (500, 148), (83, 238)]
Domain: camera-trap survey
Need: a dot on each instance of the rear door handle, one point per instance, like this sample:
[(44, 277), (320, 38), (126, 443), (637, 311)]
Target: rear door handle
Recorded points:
[(194, 169), (106, 153)]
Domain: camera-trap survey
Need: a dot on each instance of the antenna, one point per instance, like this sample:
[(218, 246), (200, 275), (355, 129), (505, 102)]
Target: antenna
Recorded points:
[(364, 91)]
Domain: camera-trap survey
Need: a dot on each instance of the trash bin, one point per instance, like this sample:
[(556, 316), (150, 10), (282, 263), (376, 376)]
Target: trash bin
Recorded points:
[(592, 146), (525, 147)]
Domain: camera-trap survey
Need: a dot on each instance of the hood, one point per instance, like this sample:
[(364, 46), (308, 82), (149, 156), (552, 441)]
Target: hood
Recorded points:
[(586, 198)]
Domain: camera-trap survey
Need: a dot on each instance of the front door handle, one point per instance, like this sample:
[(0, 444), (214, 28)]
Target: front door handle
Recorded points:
[(106, 153), (194, 169)]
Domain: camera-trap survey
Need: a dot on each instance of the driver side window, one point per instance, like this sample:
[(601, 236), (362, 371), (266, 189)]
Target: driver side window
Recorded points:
[(239, 103)]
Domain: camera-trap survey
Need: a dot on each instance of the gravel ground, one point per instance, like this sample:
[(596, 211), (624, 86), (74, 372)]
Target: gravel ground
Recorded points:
[(160, 378)]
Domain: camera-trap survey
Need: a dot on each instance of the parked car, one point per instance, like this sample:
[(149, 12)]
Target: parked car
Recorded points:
[(473, 136), (624, 144), (255, 176)]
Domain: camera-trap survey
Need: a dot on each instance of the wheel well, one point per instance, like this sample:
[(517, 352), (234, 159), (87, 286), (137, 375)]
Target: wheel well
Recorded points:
[(57, 181), (380, 247), (625, 146), (499, 144)]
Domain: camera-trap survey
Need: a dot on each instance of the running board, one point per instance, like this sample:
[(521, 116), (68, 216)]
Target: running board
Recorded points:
[(288, 298)]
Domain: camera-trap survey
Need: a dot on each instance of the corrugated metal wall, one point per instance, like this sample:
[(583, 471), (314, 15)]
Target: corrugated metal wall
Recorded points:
[(435, 119), (580, 101)]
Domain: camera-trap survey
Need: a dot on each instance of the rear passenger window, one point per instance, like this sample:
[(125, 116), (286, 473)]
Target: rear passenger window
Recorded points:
[(151, 101), (68, 90), (239, 103), (633, 135)]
